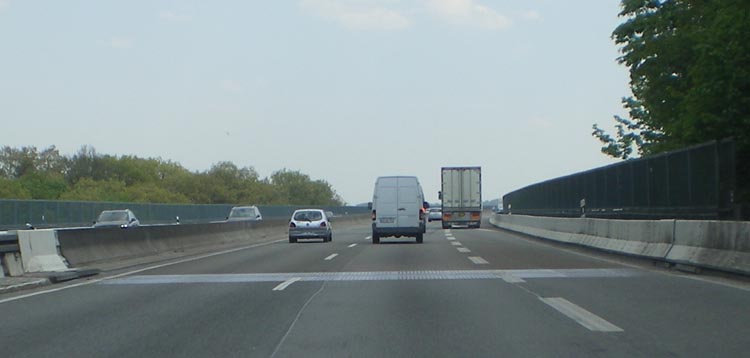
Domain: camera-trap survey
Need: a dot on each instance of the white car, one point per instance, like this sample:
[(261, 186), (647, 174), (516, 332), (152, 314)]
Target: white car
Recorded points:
[(310, 224), (435, 214)]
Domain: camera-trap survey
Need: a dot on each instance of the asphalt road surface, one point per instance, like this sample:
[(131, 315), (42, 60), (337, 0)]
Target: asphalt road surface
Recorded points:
[(463, 293)]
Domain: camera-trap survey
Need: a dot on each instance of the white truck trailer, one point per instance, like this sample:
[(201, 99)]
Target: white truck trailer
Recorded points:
[(461, 196)]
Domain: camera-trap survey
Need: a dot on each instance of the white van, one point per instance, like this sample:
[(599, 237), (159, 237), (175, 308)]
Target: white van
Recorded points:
[(398, 208)]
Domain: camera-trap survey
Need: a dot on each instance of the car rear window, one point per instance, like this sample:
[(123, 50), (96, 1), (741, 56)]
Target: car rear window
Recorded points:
[(113, 216), (243, 213), (308, 216)]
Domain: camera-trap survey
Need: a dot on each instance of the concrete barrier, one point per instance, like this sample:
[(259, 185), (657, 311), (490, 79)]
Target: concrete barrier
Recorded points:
[(90, 246), (723, 245), (720, 245), (635, 237), (39, 251)]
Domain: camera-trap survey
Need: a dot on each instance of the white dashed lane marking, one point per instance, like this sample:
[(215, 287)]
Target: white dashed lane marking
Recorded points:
[(463, 250), (455, 243), (330, 257), (585, 318), (368, 238), (286, 283), (352, 245), (478, 260)]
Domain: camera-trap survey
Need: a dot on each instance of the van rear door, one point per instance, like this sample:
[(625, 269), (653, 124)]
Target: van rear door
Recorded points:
[(386, 192), (409, 203)]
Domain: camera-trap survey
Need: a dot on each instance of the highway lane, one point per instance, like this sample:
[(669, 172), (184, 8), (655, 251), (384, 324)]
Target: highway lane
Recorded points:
[(461, 293)]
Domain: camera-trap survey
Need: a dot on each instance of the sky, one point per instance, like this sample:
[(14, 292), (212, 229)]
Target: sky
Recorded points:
[(342, 90)]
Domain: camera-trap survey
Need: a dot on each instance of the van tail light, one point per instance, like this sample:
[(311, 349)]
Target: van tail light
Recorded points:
[(292, 225), (323, 224), (373, 215)]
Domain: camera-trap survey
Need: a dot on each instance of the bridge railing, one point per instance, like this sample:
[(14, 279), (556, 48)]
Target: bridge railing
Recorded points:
[(693, 183)]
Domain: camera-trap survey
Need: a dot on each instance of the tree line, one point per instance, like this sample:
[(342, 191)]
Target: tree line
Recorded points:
[(30, 173), (689, 63)]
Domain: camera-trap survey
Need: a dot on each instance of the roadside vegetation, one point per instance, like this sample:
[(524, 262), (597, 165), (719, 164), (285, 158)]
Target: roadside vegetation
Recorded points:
[(689, 63), (30, 173)]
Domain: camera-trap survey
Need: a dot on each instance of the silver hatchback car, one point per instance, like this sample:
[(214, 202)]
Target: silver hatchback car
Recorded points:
[(310, 224)]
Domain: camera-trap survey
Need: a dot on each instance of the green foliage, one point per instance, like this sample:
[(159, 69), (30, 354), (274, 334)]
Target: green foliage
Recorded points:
[(26, 173), (44, 186), (689, 64), (12, 189), (298, 188)]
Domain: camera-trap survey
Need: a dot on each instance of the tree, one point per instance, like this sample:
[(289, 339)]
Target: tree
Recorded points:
[(689, 64), (44, 186), (12, 189), (87, 189), (297, 188)]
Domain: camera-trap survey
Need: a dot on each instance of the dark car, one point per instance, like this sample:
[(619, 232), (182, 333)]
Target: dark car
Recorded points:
[(116, 218)]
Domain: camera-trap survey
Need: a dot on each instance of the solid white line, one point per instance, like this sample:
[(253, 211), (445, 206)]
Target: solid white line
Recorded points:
[(138, 271), (286, 284), (352, 245), (478, 260), (330, 257), (580, 315), (463, 250), (455, 243)]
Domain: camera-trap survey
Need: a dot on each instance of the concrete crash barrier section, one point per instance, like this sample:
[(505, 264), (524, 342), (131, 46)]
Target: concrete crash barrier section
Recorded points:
[(719, 245), (86, 246), (645, 238), (722, 245), (39, 251)]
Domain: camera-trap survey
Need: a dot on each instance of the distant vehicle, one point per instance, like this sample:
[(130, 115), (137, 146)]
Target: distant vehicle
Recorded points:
[(242, 213), (398, 208), (116, 218), (310, 224), (329, 215), (435, 214), (461, 196)]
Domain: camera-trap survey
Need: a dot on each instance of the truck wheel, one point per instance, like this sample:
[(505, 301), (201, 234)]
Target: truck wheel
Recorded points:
[(420, 238), (445, 226), (292, 240), (330, 237), (375, 238)]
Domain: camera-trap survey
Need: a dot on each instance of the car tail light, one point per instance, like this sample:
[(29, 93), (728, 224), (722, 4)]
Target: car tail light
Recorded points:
[(292, 225), (323, 224), (421, 215)]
